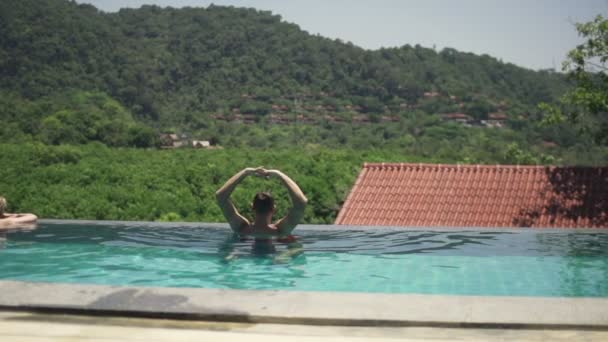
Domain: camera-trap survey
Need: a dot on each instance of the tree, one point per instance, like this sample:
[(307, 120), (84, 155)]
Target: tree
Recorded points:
[(479, 109), (587, 104)]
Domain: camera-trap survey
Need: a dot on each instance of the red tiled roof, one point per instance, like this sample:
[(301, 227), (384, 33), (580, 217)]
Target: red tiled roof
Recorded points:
[(478, 196), (497, 116)]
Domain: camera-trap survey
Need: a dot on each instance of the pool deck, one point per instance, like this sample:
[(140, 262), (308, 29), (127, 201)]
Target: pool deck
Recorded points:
[(309, 308), (25, 326), (42, 311)]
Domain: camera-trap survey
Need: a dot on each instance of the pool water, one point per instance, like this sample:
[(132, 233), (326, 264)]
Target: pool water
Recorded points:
[(525, 262)]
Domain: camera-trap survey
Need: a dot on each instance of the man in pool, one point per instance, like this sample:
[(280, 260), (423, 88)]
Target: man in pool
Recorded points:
[(262, 228), (14, 220)]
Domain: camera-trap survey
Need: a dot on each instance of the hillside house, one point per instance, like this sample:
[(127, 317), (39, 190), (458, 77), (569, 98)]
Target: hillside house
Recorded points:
[(304, 119), (388, 118), (458, 117), (549, 144), (170, 140), (361, 119), (279, 119), (495, 120), (200, 144)]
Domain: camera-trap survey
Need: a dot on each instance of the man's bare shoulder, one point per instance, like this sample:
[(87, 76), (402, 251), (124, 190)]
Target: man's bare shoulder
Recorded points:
[(11, 220)]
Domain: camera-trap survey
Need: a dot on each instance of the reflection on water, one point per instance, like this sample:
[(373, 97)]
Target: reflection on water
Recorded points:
[(580, 268), (573, 244), (21, 227)]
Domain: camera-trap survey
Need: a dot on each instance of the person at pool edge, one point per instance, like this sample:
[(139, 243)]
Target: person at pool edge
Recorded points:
[(262, 228), (9, 220)]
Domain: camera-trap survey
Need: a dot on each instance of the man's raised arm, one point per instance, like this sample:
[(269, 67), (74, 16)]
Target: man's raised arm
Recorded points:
[(235, 219), (298, 199)]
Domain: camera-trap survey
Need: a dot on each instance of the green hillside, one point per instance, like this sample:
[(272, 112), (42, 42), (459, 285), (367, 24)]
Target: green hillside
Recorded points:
[(71, 74), (172, 64)]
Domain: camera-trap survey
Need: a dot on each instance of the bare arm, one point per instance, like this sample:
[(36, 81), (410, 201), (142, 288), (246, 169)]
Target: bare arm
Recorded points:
[(235, 219), (298, 199), (18, 219)]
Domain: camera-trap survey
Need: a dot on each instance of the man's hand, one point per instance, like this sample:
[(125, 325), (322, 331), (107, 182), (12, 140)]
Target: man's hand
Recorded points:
[(260, 172), (249, 170), (257, 171), (272, 173)]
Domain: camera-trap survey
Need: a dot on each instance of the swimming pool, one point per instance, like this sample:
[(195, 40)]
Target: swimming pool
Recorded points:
[(523, 262)]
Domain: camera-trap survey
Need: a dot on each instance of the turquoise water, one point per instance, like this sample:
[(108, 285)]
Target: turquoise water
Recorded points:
[(528, 262)]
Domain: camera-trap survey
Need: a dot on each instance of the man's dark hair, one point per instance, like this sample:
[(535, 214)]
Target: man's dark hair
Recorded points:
[(263, 203)]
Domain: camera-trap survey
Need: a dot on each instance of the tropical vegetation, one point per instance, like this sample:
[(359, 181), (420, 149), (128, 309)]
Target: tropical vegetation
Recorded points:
[(86, 98)]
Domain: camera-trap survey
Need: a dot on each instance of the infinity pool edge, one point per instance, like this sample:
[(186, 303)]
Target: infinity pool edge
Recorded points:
[(325, 227)]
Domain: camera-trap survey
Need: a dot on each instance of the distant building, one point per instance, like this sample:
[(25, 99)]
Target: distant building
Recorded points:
[(549, 144), (304, 119), (279, 119), (200, 144), (502, 196), (170, 140), (458, 117), (250, 118), (361, 118), (388, 118), (496, 120)]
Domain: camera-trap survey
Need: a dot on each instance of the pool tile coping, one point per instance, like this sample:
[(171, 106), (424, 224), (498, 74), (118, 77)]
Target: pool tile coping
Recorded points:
[(315, 308)]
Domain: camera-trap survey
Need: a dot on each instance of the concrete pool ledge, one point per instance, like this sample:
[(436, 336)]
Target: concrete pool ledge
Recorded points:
[(314, 308)]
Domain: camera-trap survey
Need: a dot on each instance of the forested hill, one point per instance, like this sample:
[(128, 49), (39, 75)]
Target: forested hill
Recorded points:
[(167, 65)]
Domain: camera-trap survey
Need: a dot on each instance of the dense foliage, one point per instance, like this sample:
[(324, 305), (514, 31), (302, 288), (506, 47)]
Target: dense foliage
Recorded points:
[(75, 118), (96, 182), (587, 104)]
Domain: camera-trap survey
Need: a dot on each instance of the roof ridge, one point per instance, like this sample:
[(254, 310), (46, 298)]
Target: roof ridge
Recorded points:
[(367, 165)]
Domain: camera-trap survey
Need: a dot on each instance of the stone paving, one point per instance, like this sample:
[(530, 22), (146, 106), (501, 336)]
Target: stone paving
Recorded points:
[(24, 326), (311, 308)]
